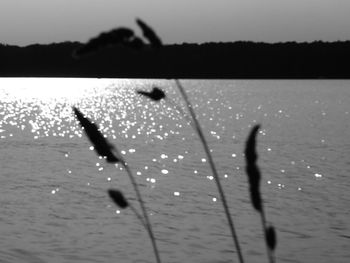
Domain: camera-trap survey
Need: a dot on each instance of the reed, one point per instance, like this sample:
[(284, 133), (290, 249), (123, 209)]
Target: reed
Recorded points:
[(127, 38), (254, 178), (213, 169), (119, 199), (112, 155), (119, 36), (149, 34), (157, 94), (156, 43)]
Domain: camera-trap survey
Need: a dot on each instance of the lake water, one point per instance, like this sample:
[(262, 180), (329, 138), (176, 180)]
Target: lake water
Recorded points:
[(54, 205)]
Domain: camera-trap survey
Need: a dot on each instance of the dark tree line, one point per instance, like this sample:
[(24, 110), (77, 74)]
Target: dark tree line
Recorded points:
[(210, 60)]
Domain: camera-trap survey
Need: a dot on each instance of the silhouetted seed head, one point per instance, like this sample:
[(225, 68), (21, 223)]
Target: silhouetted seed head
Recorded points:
[(252, 169), (250, 152), (156, 94), (256, 198), (271, 238), (118, 198), (149, 34), (101, 145), (120, 36)]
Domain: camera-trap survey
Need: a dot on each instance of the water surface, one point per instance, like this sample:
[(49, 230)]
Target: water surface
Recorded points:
[(54, 204)]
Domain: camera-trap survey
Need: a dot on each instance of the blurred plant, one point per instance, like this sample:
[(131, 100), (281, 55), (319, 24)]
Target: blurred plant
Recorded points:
[(156, 94), (150, 34), (120, 36), (156, 43), (101, 145), (254, 178), (119, 199), (112, 155), (199, 131), (126, 38)]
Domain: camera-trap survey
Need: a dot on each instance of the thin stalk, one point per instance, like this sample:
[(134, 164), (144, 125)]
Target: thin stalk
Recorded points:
[(138, 215), (263, 223), (213, 168), (143, 208)]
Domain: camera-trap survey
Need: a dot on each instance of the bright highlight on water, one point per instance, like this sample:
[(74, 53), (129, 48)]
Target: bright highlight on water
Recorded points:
[(53, 202)]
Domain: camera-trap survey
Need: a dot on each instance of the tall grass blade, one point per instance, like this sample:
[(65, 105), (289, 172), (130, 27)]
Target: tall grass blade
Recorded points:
[(149, 34), (213, 168), (101, 145)]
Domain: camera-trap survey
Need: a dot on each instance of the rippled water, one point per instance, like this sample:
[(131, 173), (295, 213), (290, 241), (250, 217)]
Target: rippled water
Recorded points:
[(54, 204)]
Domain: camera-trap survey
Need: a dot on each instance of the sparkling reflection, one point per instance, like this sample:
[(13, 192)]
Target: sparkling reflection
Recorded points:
[(303, 148)]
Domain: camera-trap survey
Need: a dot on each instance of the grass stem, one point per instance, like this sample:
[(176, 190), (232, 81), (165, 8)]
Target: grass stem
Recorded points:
[(139, 217), (254, 178), (143, 209), (213, 168), (264, 226), (112, 155)]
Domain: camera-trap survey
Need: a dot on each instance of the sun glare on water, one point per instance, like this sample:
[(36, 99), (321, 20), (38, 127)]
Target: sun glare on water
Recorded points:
[(44, 105), (46, 89)]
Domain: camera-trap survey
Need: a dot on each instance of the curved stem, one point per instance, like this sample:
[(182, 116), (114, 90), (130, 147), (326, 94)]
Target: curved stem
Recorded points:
[(143, 208), (213, 168), (268, 250), (138, 216)]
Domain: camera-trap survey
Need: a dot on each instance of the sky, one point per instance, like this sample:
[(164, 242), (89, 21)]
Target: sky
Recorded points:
[(24, 22)]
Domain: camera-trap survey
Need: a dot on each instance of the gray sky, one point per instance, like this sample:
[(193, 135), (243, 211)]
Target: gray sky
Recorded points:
[(25, 22)]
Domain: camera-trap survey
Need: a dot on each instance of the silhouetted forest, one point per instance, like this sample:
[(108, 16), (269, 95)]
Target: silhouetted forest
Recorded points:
[(202, 61)]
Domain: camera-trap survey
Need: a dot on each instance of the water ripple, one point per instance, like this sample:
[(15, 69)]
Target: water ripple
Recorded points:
[(54, 206)]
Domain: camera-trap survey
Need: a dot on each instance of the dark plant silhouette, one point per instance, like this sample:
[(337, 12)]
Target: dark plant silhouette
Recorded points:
[(149, 34), (103, 147), (120, 36), (156, 94), (271, 238), (254, 178), (118, 198), (199, 131), (253, 170)]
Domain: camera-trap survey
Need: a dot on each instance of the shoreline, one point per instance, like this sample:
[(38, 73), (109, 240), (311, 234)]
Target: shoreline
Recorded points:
[(237, 60)]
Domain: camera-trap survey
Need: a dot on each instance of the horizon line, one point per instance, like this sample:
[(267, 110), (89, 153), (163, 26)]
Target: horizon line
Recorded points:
[(186, 43)]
